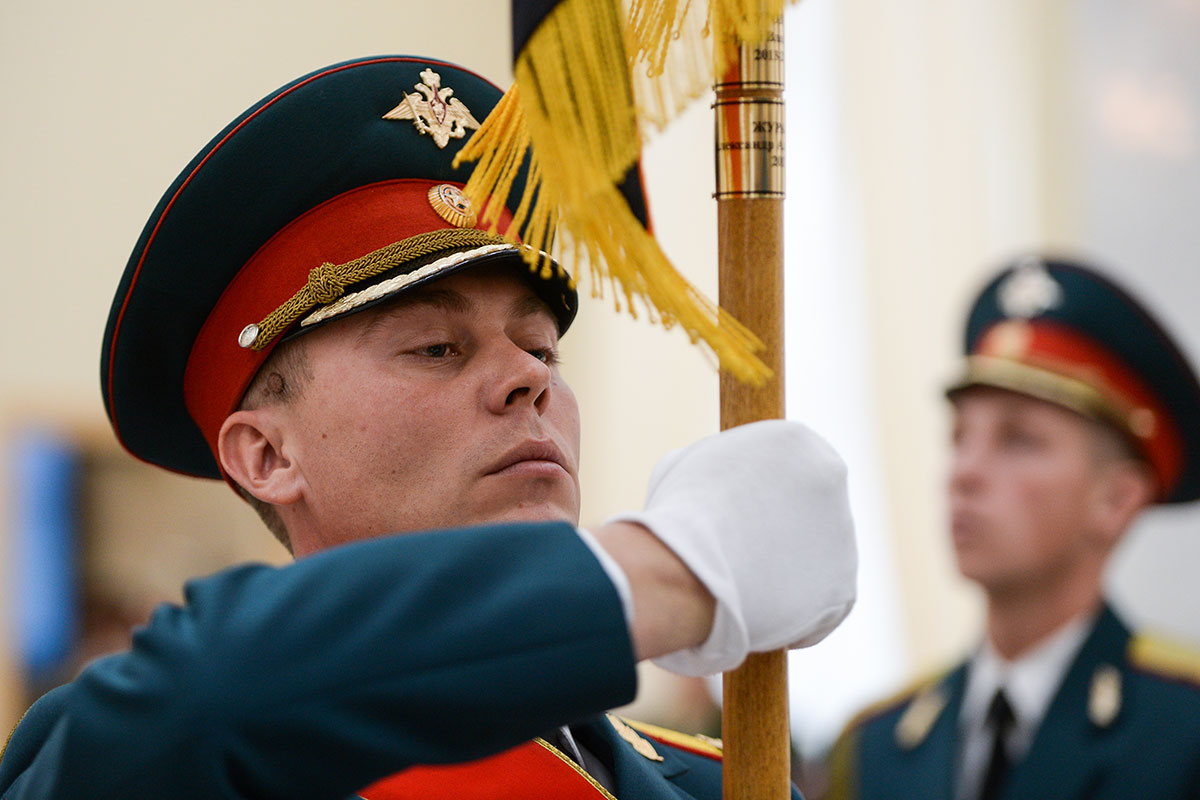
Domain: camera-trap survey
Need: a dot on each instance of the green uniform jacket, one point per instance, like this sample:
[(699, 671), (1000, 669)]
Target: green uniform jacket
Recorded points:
[(316, 679), (1124, 724)]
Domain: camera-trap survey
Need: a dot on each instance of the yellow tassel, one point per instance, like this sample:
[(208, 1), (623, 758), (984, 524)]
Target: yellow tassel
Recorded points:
[(672, 56), (749, 20), (576, 108)]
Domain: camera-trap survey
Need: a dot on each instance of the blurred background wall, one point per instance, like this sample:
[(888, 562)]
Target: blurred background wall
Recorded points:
[(928, 141)]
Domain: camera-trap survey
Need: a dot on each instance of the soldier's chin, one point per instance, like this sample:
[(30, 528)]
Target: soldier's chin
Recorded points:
[(525, 501), (972, 566), (536, 511), (995, 581)]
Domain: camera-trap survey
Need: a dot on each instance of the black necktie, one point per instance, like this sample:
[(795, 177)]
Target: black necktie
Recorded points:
[(1000, 720)]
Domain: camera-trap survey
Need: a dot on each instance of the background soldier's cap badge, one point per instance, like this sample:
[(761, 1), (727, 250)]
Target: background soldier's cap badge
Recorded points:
[(435, 110), (1029, 290)]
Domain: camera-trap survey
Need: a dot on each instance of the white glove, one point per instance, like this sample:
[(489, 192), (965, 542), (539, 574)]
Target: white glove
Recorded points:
[(760, 514)]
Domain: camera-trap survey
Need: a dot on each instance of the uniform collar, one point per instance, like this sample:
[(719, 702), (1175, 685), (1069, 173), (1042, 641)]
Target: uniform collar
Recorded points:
[(1029, 682)]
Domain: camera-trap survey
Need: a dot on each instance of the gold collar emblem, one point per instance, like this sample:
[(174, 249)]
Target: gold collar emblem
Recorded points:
[(918, 719), (643, 747), (1104, 698), (434, 111)]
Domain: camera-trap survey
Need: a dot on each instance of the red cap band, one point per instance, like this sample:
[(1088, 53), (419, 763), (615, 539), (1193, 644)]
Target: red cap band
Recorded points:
[(339, 230), (1127, 399)]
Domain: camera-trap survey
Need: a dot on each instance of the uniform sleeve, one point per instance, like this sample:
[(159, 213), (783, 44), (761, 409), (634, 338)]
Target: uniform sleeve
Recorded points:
[(315, 679)]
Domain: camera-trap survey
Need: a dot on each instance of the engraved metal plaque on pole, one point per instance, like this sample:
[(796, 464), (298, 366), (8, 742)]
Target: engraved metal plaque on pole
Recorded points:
[(750, 121)]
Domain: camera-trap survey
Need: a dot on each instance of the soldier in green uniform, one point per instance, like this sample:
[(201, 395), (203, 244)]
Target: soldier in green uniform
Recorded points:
[(314, 315), (1074, 412)]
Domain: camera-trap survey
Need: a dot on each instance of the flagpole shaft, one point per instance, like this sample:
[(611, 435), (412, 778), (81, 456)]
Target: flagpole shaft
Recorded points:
[(755, 718), (750, 287), (750, 150), (755, 730)]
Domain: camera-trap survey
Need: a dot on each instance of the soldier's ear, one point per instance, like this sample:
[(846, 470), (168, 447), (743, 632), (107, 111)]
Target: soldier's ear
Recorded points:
[(253, 452), (1126, 488)]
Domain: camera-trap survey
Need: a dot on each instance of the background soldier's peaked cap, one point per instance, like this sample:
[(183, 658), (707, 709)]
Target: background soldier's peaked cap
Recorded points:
[(331, 194), (1061, 331)]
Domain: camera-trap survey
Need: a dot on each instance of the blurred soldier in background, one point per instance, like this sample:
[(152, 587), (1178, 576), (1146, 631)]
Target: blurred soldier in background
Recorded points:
[(312, 315), (1074, 412)]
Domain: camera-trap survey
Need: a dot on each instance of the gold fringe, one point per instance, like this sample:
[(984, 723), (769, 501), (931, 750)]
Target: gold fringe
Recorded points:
[(672, 54), (749, 20), (670, 57), (576, 109)]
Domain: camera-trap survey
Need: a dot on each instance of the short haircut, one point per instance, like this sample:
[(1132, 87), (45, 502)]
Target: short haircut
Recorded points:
[(281, 380), (1110, 445)]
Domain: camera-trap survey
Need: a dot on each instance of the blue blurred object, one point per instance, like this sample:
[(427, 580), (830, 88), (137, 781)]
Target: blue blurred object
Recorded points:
[(42, 575)]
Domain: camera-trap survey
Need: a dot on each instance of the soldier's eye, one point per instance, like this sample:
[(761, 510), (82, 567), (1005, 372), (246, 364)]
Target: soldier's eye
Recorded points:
[(435, 350), (547, 355)]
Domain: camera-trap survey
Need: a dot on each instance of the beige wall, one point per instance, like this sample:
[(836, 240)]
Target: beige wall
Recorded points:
[(955, 166), (105, 103)]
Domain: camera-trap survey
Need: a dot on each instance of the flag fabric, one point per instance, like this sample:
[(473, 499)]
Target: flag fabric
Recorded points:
[(591, 80)]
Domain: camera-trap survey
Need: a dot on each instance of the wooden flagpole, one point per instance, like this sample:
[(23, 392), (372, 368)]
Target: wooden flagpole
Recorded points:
[(749, 124)]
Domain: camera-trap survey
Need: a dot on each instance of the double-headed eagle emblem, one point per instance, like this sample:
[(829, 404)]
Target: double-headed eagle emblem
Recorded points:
[(436, 113)]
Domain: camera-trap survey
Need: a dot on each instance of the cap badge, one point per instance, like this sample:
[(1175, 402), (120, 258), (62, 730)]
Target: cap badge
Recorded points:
[(1029, 291), (434, 111), (452, 205)]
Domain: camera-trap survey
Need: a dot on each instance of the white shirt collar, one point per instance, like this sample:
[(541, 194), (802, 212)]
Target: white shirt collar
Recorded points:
[(1029, 682)]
